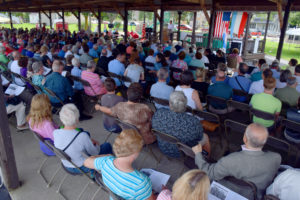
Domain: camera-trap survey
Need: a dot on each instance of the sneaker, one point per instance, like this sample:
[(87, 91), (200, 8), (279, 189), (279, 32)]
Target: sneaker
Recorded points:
[(23, 127)]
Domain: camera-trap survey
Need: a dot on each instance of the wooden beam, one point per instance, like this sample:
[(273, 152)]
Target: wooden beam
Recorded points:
[(45, 14), (244, 51), (79, 19), (154, 26), (161, 25), (179, 23), (63, 18), (7, 156), (94, 13), (119, 11), (50, 19), (284, 27), (74, 13), (194, 29), (202, 3), (211, 25), (40, 20), (266, 32), (99, 21), (279, 9), (11, 22), (125, 26), (58, 14)]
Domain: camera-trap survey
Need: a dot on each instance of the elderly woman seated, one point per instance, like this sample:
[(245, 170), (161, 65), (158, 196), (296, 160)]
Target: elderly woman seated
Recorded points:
[(117, 172), (133, 112), (175, 122), (75, 141), (96, 87)]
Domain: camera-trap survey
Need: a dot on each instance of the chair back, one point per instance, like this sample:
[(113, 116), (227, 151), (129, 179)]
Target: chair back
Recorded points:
[(262, 114), (231, 125), (186, 150), (149, 64), (238, 105), (160, 101), (241, 93), (211, 117), (165, 137), (125, 125), (51, 93), (270, 197), (78, 79), (121, 78), (215, 100), (242, 187), (279, 146), (193, 68), (234, 134), (289, 124), (15, 75), (174, 69)]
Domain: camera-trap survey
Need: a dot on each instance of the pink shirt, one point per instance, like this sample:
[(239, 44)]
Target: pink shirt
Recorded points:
[(45, 129), (97, 87), (165, 195), (181, 64)]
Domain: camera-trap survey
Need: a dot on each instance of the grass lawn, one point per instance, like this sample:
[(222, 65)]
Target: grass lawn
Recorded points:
[(72, 27), (289, 50)]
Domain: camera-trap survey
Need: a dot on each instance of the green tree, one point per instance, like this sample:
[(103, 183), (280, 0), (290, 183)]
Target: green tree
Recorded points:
[(294, 19)]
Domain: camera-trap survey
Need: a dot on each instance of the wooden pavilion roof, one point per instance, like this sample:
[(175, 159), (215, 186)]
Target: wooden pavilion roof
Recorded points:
[(146, 5)]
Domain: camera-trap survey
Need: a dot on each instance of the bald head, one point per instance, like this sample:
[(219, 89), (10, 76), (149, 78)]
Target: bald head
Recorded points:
[(256, 136), (16, 55)]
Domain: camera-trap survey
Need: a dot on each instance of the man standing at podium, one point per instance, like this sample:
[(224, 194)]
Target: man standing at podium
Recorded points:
[(171, 29)]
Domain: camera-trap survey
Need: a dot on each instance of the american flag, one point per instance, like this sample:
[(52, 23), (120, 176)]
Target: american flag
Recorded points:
[(221, 23), (143, 31)]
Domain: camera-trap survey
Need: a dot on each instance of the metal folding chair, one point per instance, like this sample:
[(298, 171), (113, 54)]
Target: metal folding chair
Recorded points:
[(264, 115), (215, 100), (232, 127), (279, 146), (270, 197), (189, 155), (52, 94)]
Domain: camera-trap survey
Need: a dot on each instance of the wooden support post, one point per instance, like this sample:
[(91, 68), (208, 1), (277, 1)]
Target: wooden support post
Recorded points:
[(7, 157), (211, 25), (266, 32), (179, 21), (284, 27), (99, 21), (50, 19), (40, 20), (11, 22), (244, 51), (161, 25), (202, 3), (63, 18), (79, 19), (154, 25), (125, 23), (194, 29)]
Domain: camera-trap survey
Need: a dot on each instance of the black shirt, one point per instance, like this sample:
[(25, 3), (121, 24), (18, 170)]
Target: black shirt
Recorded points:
[(202, 87), (45, 58)]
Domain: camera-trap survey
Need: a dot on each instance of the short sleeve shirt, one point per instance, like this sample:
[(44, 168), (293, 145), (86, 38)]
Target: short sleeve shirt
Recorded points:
[(134, 73), (267, 103), (131, 186)]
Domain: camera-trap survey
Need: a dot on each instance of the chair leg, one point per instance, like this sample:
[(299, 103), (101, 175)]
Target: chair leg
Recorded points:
[(51, 179), (61, 183), (94, 196), (107, 137), (39, 171), (85, 187), (151, 152)]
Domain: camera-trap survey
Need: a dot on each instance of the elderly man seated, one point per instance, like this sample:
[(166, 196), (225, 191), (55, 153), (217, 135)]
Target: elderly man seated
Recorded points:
[(175, 122), (96, 87), (58, 84), (250, 164), (161, 89), (84, 58)]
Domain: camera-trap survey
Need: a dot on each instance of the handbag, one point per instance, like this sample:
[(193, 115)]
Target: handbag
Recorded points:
[(209, 126)]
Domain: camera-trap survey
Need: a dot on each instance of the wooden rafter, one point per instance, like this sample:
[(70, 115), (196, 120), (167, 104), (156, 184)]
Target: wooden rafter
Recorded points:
[(59, 14), (279, 8), (119, 11), (46, 14), (202, 3), (94, 13), (75, 14)]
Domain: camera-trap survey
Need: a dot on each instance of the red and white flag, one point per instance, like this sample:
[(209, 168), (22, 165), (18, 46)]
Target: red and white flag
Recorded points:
[(143, 31), (221, 23)]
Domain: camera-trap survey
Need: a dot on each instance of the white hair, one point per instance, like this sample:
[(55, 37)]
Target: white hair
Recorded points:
[(178, 102), (75, 62), (251, 135), (91, 64), (36, 66), (75, 49), (56, 66), (69, 115)]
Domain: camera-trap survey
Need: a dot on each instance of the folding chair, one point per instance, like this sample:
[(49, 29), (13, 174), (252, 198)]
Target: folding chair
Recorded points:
[(193, 68), (172, 71), (232, 127), (166, 138), (211, 117), (241, 93), (189, 155), (245, 188), (241, 112), (121, 78), (52, 94), (263, 115), (270, 197), (42, 140), (279, 146), (163, 102), (125, 125), (217, 101), (15, 75), (63, 156)]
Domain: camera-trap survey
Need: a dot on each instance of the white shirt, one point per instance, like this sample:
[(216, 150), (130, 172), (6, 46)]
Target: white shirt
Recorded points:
[(150, 59), (68, 53), (17, 69), (188, 92), (204, 59), (298, 81), (109, 53), (171, 27), (257, 87), (49, 54), (286, 185), (134, 72), (280, 84)]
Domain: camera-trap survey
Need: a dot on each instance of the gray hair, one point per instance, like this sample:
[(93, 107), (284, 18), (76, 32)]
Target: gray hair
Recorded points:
[(285, 75), (178, 102), (36, 66), (162, 74), (56, 65), (264, 66), (69, 115), (75, 49), (91, 64), (291, 80), (253, 134), (75, 62)]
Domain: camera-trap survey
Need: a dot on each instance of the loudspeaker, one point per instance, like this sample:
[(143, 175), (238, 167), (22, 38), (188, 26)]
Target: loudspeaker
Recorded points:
[(110, 25)]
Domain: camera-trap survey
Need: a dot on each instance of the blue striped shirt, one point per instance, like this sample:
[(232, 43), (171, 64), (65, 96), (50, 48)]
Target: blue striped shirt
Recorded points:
[(133, 185)]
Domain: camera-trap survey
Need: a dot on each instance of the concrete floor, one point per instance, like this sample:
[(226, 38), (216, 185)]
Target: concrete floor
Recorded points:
[(29, 158)]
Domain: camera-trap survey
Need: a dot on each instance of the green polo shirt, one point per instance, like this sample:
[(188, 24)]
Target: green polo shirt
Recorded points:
[(288, 95), (4, 60), (267, 103)]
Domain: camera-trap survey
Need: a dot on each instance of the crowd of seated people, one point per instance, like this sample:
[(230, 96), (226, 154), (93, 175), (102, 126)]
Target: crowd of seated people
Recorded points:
[(101, 61)]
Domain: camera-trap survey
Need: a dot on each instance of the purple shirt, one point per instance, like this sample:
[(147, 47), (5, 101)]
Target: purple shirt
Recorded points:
[(45, 129)]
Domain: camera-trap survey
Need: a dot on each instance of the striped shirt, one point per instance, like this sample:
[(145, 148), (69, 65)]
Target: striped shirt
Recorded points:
[(97, 87), (165, 195), (131, 186)]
